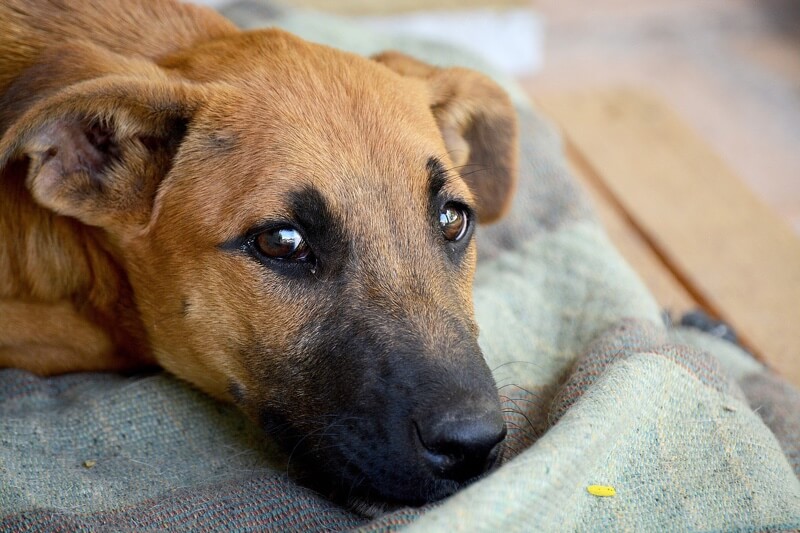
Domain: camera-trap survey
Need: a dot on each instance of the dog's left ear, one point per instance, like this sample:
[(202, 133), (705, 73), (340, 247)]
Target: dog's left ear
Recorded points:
[(479, 127)]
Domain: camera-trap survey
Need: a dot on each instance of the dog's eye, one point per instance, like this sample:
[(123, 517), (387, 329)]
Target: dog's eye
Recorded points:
[(284, 243), (454, 221)]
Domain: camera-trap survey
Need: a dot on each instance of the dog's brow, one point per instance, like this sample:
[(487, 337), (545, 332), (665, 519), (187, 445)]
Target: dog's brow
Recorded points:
[(323, 228), (437, 176), (310, 208), (219, 141)]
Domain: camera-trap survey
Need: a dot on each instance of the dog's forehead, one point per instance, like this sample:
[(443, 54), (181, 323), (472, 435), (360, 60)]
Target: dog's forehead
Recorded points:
[(319, 102), (279, 79)]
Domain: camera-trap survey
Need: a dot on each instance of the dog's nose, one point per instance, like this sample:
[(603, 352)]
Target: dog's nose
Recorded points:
[(461, 447)]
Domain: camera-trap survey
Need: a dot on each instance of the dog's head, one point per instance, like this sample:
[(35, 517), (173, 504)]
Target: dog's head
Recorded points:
[(297, 225)]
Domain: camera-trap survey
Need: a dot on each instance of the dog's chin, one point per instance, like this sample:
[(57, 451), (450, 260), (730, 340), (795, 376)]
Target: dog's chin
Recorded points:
[(371, 508), (362, 495), (374, 500), (371, 505)]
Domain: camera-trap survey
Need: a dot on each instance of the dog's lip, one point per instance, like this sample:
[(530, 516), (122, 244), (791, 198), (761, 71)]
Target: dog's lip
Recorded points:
[(373, 508), (369, 496)]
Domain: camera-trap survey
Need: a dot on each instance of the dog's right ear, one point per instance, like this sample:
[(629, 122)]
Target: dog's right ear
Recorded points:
[(478, 124), (98, 150)]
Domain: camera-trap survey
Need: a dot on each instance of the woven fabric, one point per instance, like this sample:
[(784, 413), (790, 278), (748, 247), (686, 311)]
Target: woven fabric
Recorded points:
[(692, 433)]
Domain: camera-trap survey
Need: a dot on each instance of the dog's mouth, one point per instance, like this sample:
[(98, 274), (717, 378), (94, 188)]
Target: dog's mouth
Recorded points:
[(368, 498), (371, 505), (375, 465)]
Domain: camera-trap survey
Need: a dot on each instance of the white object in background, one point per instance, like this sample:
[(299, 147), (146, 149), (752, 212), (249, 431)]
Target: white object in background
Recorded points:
[(510, 39)]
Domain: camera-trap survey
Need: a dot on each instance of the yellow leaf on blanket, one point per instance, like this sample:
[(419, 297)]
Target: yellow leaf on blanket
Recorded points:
[(601, 490)]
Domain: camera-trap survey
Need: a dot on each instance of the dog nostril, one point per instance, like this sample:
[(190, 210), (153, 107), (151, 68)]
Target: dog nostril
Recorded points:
[(461, 449)]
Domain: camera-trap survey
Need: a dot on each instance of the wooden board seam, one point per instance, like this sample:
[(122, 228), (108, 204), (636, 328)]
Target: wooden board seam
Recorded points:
[(591, 173)]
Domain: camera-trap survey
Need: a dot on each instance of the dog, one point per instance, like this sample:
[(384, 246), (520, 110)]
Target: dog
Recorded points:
[(285, 226)]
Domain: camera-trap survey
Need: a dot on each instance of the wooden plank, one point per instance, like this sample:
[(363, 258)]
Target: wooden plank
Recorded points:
[(734, 255), (666, 288)]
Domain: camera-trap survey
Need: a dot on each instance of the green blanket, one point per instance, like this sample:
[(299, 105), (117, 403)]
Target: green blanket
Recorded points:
[(690, 432)]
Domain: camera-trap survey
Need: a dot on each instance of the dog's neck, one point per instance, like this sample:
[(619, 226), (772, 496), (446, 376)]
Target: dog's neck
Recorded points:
[(51, 260)]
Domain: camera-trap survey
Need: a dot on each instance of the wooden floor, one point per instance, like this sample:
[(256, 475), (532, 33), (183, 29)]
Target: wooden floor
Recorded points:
[(688, 225), (682, 121)]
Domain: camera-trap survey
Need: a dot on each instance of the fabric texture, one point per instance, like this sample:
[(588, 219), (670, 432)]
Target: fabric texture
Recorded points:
[(693, 434)]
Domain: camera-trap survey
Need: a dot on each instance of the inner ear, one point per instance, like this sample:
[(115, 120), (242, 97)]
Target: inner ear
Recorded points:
[(99, 154), (101, 139), (89, 169), (73, 146)]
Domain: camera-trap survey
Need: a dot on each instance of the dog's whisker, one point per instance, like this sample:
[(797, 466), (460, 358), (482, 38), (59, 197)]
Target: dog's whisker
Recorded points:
[(514, 403), (520, 413), (517, 438), (465, 165), (523, 389), (354, 484), (465, 174), (536, 400), (518, 362), (321, 430)]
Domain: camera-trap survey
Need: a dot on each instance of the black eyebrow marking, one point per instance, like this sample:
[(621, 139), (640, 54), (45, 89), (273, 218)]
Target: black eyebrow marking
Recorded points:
[(324, 230), (437, 176), (309, 208)]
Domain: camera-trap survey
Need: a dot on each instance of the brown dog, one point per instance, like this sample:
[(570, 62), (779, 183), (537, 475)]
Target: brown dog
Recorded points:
[(279, 223)]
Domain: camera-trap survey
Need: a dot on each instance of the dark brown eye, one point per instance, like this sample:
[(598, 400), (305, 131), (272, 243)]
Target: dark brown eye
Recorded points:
[(453, 220), (284, 243)]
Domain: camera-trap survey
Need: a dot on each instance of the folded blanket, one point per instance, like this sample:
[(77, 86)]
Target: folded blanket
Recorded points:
[(688, 430)]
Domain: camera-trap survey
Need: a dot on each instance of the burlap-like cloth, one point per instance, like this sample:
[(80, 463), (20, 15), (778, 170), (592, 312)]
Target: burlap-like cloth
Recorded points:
[(690, 431)]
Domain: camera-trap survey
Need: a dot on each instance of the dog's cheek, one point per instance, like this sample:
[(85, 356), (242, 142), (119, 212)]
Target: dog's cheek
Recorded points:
[(265, 358), (461, 284), (287, 382), (198, 312), (279, 393)]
